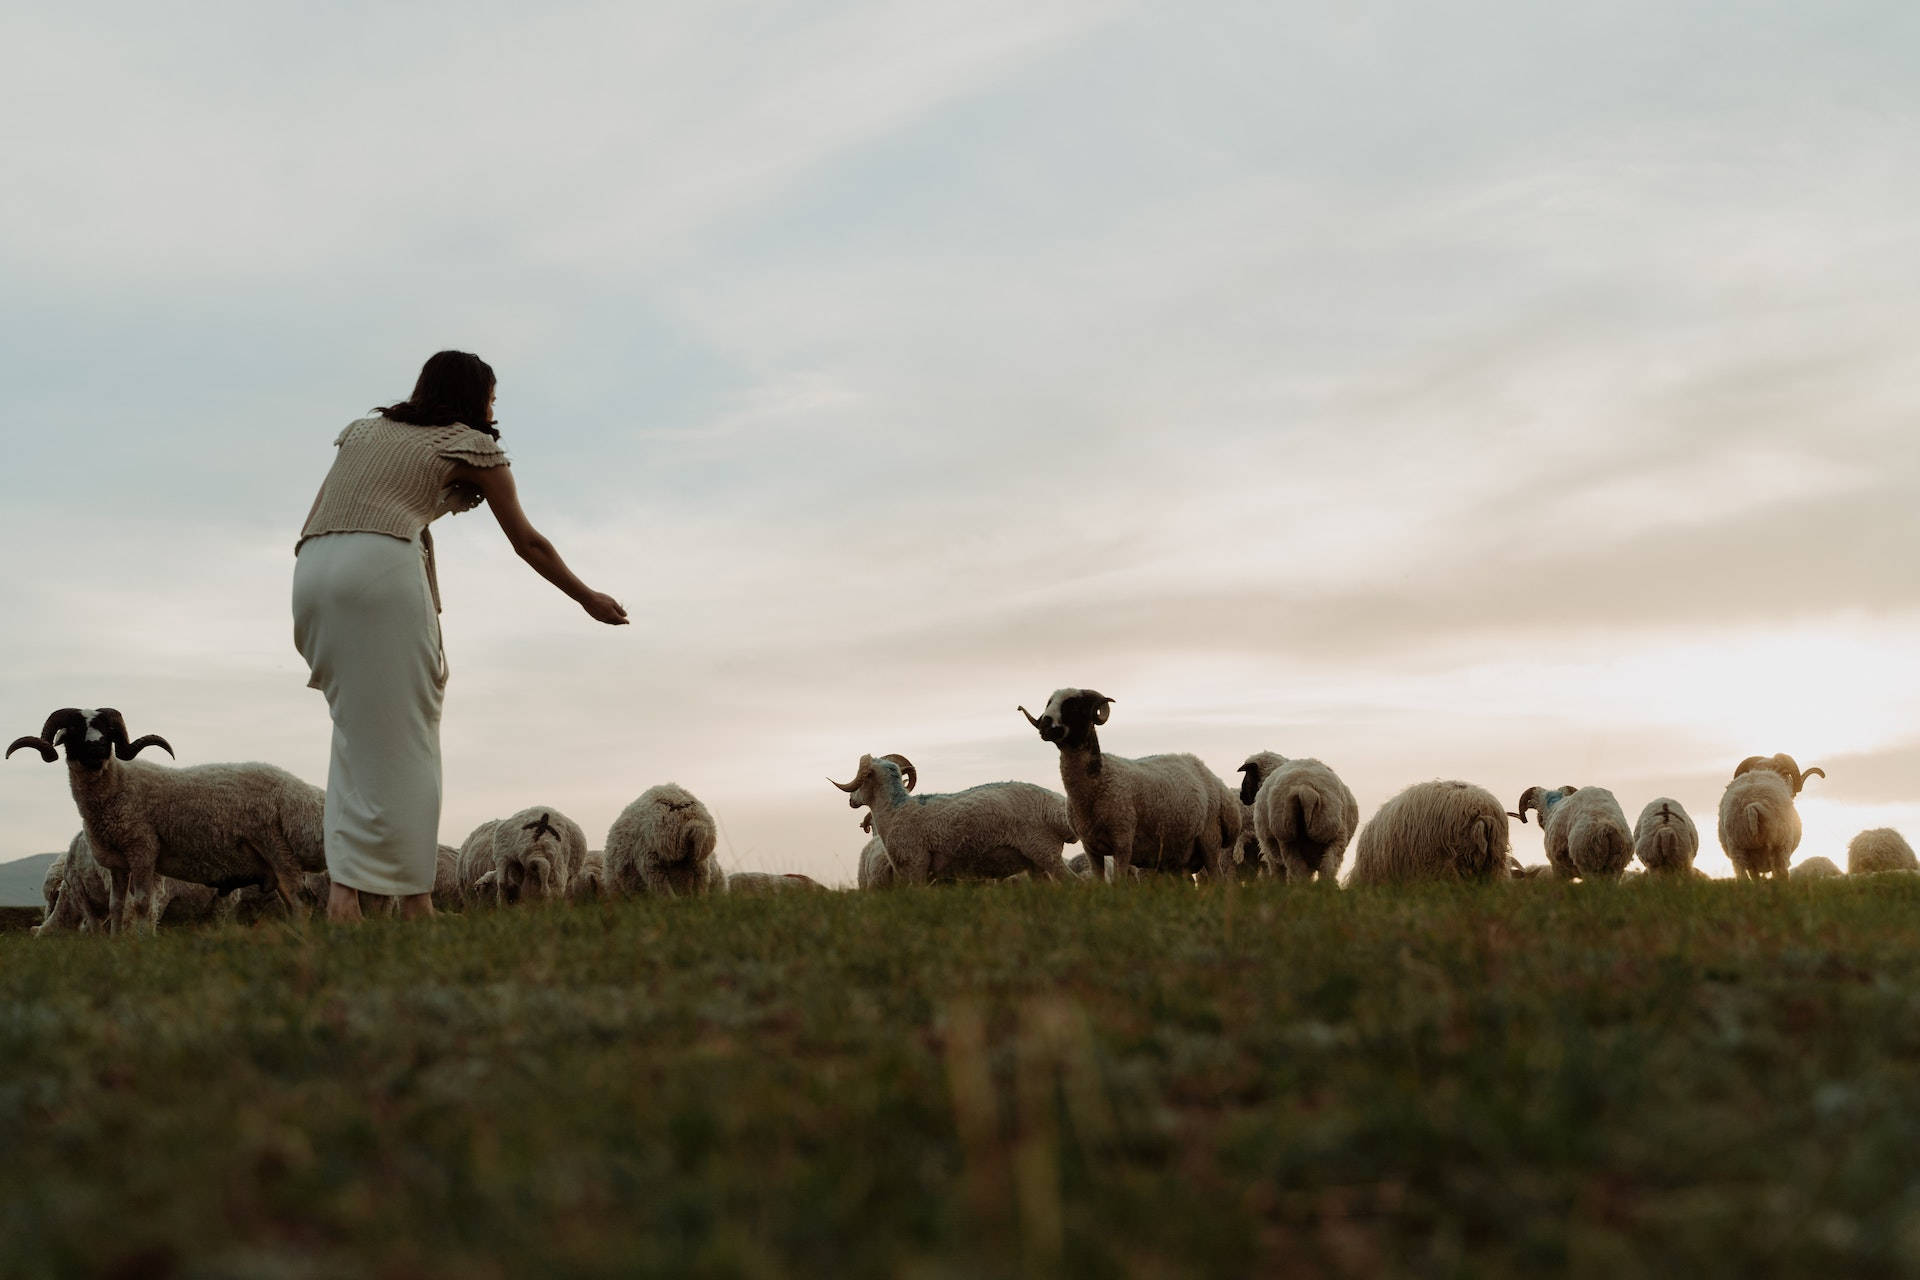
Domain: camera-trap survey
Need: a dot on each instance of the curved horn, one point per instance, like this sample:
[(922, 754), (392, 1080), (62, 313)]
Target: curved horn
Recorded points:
[(1105, 709), (906, 768), (1814, 772), (1529, 799), (41, 745), (1750, 764), (128, 750), (859, 776), (1029, 715), (64, 718)]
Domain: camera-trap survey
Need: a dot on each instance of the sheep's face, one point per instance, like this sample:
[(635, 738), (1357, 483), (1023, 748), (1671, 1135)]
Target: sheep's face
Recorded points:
[(875, 781), (1071, 716), (91, 738), (1257, 768)]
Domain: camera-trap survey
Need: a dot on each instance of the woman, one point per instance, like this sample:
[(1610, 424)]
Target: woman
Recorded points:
[(366, 606)]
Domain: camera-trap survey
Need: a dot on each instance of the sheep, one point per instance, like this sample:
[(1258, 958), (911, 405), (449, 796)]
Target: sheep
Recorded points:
[(1433, 831), (1665, 839), (1759, 827), (475, 866), (988, 832), (1586, 832), (1304, 816), (446, 879), (590, 884), (1167, 813), (1880, 849), (537, 853), (1814, 868), (876, 868), (663, 843), (220, 825), (1243, 860), (762, 883)]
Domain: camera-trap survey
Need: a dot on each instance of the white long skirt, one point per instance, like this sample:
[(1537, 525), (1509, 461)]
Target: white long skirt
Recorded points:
[(364, 620)]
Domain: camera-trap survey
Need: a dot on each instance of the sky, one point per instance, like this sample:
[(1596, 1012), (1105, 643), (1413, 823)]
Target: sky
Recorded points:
[(1492, 391)]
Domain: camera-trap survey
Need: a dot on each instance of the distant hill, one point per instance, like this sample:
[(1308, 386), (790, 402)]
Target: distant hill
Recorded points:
[(20, 880)]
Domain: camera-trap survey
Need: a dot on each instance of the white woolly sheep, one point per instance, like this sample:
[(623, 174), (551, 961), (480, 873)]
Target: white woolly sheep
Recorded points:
[(475, 867), (1433, 831), (1880, 849), (988, 832), (762, 883), (1586, 831), (1303, 815), (663, 843), (1759, 827), (876, 868), (1167, 813), (1665, 839), (590, 885), (1814, 868), (220, 825), (537, 853)]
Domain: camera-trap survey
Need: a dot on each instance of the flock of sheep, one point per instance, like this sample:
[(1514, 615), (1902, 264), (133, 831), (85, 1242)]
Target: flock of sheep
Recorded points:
[(239, 840)]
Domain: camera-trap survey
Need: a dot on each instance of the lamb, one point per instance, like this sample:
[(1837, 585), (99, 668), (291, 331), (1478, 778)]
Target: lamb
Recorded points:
[(988, 832), (79, 898), (1587, 834), (1880, 849), (220, 825), (663, 843), (1303, 815), (1167, 813), (1433, 831), (1759, 827), (1665, 838), (1814, 868)]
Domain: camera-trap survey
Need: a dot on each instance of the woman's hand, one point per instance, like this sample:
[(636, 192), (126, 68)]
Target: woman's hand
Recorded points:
[(602, 607)]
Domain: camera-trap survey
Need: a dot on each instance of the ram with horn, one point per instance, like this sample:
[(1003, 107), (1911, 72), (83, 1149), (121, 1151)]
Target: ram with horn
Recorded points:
[(1585, 829), (1169, 814), (988, 832), (1759, 827), (221, 825)]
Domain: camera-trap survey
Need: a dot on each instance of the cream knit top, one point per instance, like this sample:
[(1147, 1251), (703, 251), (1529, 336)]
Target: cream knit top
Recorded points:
[(395, 478)]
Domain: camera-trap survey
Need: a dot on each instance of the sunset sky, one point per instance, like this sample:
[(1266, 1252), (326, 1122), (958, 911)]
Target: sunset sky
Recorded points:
[(1508, 392)]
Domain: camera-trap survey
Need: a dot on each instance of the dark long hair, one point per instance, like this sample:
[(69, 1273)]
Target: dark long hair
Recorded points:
[(454, 386)]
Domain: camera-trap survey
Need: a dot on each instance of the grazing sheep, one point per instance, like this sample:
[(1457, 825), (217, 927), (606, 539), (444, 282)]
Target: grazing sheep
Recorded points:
[(220, 825), (253, 903), (590, 885), (1665, 838), (876, 868), (1880, 849), (1814, 868), (475, 867), (1586, 831), (988, 832), (1303, 815), (1759, 827), (536, 855), (1243, 860), (663, 843), (446, 879), (763, 883), (1517, 870), (1167, 813), (1433, 831)]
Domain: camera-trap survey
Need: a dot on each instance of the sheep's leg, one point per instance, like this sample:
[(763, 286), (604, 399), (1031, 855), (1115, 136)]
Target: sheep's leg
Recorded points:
[(140, 887), (116, 899)]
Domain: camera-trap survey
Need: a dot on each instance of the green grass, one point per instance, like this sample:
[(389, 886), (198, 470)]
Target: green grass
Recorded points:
[(1140, 1080)]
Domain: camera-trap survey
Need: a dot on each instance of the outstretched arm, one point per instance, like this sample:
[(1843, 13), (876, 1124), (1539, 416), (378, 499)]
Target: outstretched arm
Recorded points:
[(503, 496)]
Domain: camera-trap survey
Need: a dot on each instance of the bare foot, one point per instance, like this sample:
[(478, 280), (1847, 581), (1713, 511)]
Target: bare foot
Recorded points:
[(343, 905)]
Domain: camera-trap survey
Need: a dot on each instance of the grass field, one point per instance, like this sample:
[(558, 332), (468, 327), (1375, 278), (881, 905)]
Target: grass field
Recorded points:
[(1142, 1080)]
